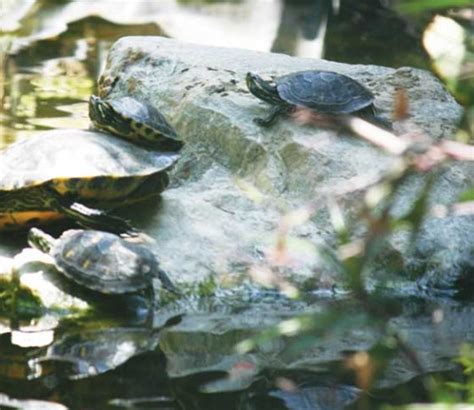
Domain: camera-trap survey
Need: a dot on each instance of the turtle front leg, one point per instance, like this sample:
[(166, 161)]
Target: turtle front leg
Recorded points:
[(270, 119), (98, 219), (88, 217)]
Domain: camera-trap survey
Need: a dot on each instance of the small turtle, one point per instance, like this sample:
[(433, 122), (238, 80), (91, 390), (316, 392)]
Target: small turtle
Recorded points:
[(135, 121), (72, 173), (101, 261), (322, 91)]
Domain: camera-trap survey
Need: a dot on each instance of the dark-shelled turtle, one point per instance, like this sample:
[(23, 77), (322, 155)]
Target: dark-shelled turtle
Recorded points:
[(101, 261), (322, 91), (134, 120), (77, 174)]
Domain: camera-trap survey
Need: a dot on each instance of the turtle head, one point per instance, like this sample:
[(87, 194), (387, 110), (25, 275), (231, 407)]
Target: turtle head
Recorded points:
[(106, 118), (40, 240), (262, 89)]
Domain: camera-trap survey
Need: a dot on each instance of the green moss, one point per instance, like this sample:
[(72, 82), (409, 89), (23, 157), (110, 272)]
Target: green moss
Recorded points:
[(18, 301), (207, 287)]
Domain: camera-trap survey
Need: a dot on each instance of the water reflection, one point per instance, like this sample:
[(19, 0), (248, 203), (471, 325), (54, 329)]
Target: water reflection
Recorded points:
[(88, 353), (193, 364)]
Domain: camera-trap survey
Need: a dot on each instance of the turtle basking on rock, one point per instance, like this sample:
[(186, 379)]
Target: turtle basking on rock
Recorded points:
[(101, 261), (77, 174), (326, 92), (134, 120)]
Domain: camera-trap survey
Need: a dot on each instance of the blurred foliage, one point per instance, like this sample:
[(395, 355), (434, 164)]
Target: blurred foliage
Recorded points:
[(449, 42), (418, 6), (450, 46), (197, 2), (467, 196), (353, 36)]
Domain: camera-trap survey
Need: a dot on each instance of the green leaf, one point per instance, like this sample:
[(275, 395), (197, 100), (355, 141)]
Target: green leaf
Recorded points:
[(467, 196), (444, 41), (418, 6)]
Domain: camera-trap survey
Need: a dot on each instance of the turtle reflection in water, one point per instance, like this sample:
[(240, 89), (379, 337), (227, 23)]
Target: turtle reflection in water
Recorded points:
[(322, 91), (77, 174), (91, 352), (103, 262)]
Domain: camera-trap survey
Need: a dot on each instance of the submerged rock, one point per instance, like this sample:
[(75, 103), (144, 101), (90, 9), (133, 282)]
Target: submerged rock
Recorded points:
[(32, 288), (224, 213)]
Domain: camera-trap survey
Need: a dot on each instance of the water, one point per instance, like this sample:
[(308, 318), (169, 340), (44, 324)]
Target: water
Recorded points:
[(54, 58)]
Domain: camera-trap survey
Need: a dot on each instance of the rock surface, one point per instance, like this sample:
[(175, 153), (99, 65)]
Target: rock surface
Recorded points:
[(236, 181)]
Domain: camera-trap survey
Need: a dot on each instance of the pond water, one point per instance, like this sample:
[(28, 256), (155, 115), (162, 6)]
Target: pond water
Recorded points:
[(48, 69)]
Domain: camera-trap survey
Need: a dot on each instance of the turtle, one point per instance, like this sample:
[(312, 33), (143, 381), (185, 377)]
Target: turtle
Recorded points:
[(102, 261), (134, 120), (77, 174), (326, 92)]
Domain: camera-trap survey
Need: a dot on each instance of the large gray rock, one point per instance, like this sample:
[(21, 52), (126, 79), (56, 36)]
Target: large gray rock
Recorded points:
[(236, 181)]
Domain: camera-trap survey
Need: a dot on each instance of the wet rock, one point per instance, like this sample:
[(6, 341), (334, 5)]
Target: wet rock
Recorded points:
[(41, 292), (318, 397), (11, 403), (432, 330), (236, 181)]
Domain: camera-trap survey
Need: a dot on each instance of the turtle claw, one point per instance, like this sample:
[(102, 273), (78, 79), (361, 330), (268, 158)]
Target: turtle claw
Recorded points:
[(131, 232), (100, 220), (264, 122), (120, 227), (261, 122), (138, 237), (271, 118)]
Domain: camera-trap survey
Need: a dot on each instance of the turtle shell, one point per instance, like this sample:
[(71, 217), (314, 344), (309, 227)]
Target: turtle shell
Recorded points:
[(104, 262), (142, 114), (134, 120), (85, 166), (324, 91), (61, 155)]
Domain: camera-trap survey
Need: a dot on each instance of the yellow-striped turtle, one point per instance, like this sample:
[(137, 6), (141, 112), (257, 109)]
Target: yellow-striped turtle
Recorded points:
[(134, 120), (77, 174), (322, 91), (101, 261)]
